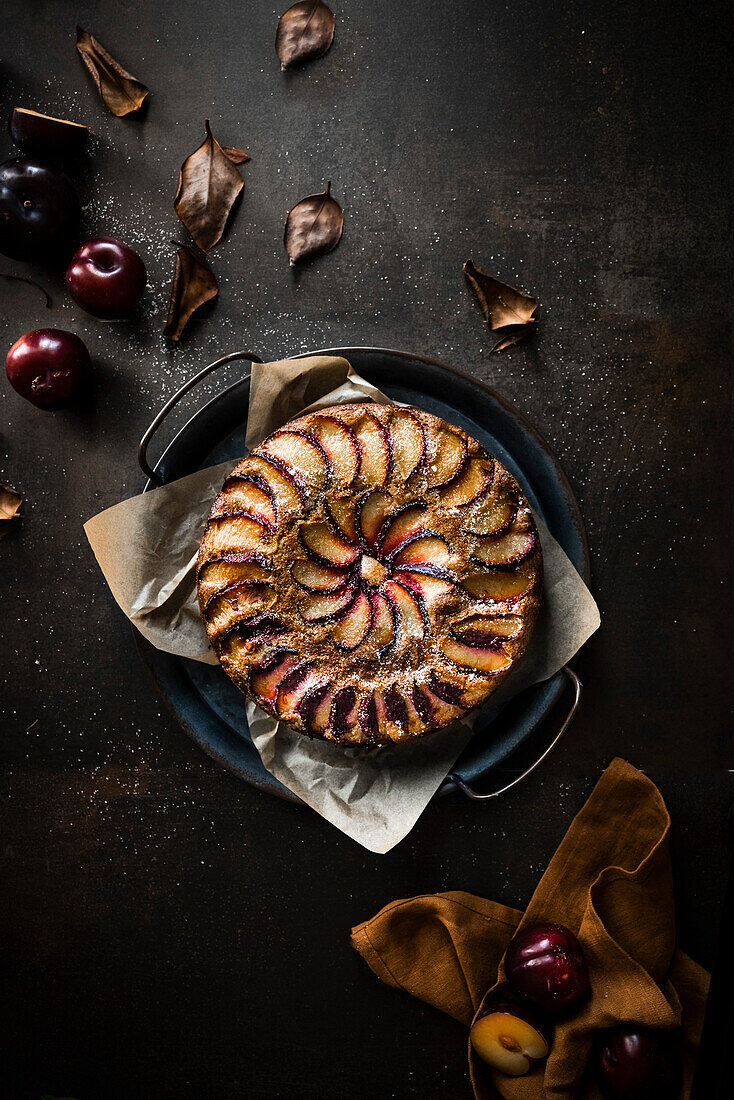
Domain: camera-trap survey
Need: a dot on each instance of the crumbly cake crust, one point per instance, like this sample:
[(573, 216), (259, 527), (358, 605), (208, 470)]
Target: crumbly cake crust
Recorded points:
[(369, 573)]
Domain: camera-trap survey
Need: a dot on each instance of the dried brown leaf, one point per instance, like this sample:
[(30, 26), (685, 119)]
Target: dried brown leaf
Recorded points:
[(237, 156), (305, 31), (501, 304), (513, 336), (208, 185), (119, 89), (313, 226), (10, 503), (193, 284)]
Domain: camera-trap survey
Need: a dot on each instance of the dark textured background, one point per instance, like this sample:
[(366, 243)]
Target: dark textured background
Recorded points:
[(167, 932)]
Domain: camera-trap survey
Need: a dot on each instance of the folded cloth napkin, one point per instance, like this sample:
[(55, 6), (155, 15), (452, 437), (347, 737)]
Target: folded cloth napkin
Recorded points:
[(610, 882)]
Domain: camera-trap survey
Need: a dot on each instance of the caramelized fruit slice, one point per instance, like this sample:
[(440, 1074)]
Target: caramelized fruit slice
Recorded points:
[(449, 459), (499, 587), (484, 630), (243, 531), (252, 493), (372, 510), (470, 486), (374, 449), (268, 674), (407, 524), (241, 597), (354, 625), (507, 550), (343, 715), (415, 723), (300, 451), (492, 516), (440, 713), (408, 443), (384, 623), (253, 631), (293, 687), (340, 512), (412, 617), (392, 717), (429, 587), (427, 550), (367, 717), (234, 565), (341, 446), (331, 605), (315, 708), (322, 541), (486, 659), (286, 489), (315, 577)]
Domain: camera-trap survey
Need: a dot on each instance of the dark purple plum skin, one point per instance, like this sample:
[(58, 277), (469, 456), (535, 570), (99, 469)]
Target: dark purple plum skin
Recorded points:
[(49, 367), (39, 211), (635, 1063), (545, 964), (106, 278)]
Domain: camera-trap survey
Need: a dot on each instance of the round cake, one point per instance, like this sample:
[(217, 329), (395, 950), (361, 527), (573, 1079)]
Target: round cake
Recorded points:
[(369, 574)]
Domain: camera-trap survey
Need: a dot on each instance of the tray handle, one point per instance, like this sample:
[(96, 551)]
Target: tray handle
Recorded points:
[(477, 797), (161, 416)]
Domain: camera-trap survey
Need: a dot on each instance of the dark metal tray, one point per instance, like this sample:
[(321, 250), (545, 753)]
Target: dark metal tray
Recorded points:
[(203, 699)]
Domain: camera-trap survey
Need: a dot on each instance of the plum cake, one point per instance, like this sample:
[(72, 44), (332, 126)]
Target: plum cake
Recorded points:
[(369, 574)]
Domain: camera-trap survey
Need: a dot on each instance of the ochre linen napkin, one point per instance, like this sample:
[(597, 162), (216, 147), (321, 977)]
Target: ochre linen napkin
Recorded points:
[(610, 882)]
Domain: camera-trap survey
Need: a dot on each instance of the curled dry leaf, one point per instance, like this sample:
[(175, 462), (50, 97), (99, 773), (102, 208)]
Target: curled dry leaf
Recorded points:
[(314, 226), (10, 503), (512, 336), (305, 31), (119, 89), (193, 284), (237, 156), (502, 306), (208, 185)]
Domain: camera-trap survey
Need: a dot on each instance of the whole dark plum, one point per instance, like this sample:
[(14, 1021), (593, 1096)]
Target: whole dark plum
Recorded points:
[(39, 210)]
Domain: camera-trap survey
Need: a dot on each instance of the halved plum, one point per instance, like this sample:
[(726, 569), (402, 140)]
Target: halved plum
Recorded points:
[(473, 483), (508, 550), (238, 529), (253, 493), (300, 451), (408, 523), (372, 509), (322, 607), (413, 621), (315, 708), (344, 710), (321, 541), (384, 624), (287, 489), (429, 549), (296, 683), (316, 577), (234, 565), (450, 457), (500, 587), (354, 625), (484, 659), (491, 516), (487, 630), (266, 676), (340, 514), (341, 445), (374, 449), (408, 443)]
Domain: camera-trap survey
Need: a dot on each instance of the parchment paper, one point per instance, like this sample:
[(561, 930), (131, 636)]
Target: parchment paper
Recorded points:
[(147, 548)]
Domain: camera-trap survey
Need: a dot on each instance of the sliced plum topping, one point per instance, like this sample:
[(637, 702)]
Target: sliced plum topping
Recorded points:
[(354, 625), (323, 542), (481, 659), (253, 493), (301, 452), (367, 717), (230, 515), (234, 565), (343, 712), (267, 675), (384, 623), (315, 708), (487, 630), (288, 491), (374, 449), (431, 588), (411, 521), (506, 551), (373, 508), (445, 690), (414, 720), (498, 586), (473, 483), (441, 712), (340, 512), (450, 458), (244, 531), (341, 445), (372, 572), (316, 577), (492, 516), (408, 443), (327, 606), (422, 704), (395, 709), (253, 631), (242, 596), (412, 616), (428, 549), (293, 687)]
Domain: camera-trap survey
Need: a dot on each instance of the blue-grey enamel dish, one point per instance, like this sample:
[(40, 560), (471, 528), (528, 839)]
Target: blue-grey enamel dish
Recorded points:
[(203, 699)]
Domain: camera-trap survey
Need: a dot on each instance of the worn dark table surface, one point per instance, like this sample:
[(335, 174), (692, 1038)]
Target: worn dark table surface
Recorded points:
[(167, 931)]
